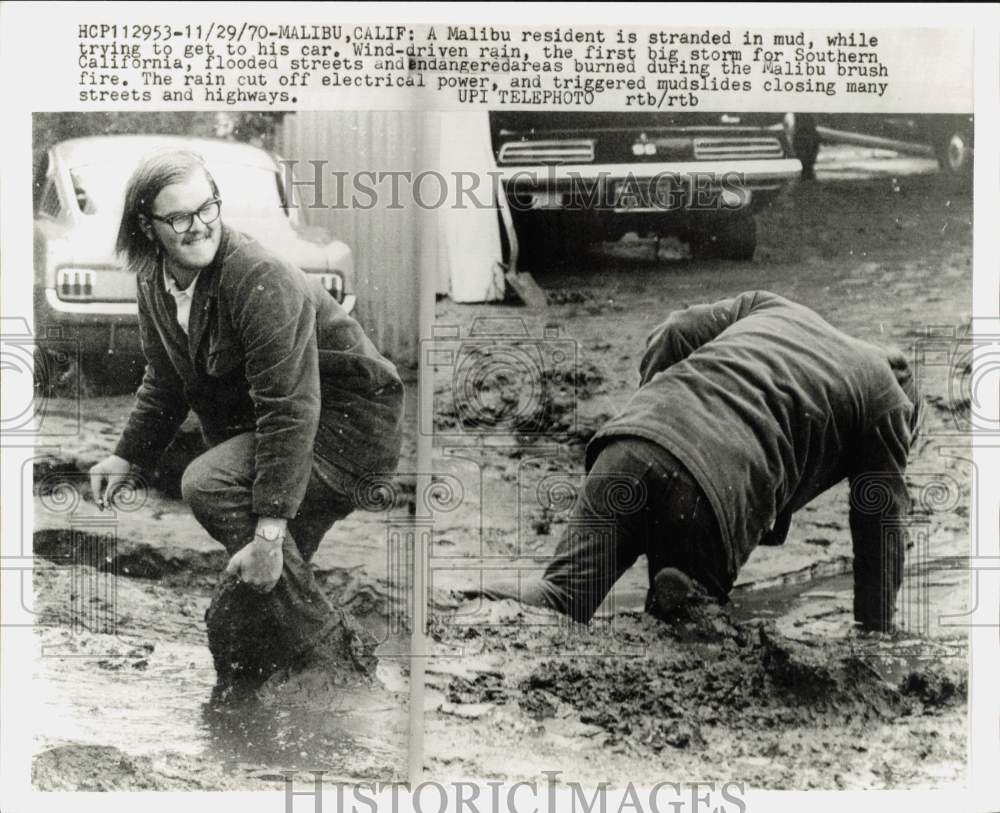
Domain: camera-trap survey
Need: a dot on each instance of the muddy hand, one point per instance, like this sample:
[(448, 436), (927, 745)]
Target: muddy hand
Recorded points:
[(259, 565), (106, 478)]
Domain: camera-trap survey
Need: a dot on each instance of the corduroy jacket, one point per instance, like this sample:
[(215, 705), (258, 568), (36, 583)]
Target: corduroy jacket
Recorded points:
[(767, 405), (268, 351)]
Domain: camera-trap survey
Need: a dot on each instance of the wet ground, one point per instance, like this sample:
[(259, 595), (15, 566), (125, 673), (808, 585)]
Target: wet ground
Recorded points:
[(777, 689), (124, 676)]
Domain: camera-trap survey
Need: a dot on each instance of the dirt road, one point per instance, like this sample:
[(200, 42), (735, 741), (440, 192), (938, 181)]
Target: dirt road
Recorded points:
[(777, 690)]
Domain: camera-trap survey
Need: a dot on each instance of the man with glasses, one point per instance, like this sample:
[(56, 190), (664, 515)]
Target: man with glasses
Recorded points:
[(296, 406)]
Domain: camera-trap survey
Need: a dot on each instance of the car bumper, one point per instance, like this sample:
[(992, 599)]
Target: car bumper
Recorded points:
[(104, 327), (87, 310), (600, 180)]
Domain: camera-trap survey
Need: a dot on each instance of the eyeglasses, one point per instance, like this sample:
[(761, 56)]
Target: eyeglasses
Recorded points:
[(182, 223)]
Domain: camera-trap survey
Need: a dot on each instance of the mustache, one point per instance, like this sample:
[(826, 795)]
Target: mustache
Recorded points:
[(190, 238)]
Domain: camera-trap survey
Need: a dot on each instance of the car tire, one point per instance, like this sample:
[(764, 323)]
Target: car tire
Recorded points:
[(56, 375), (726, 238), (544, 242), (107, 374), (805, 144), (953, 149)]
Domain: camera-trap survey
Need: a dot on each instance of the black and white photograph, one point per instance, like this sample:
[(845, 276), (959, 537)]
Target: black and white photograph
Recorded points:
[(232, 384), (716, 493), (499, 407)]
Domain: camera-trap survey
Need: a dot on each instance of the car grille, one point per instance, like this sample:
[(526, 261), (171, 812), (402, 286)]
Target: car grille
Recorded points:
[(716, 149), (547, 152)]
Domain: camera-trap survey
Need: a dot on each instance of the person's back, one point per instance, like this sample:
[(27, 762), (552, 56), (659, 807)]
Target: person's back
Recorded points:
[(754, 405), (765, 403), (767, 406)]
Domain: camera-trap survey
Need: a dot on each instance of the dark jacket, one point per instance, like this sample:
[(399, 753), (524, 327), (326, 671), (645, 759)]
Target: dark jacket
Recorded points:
[(767, 405), (269, 351)]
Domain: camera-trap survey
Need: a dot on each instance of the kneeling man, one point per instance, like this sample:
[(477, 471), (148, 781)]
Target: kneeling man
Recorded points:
[(295, 403)]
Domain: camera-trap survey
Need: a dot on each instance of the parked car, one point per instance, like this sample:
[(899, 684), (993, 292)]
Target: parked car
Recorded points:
[(947, 137), (577, 177), (80, 287)]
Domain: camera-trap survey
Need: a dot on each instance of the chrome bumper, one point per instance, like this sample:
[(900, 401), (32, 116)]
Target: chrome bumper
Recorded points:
[(98, 309), (757, 174)]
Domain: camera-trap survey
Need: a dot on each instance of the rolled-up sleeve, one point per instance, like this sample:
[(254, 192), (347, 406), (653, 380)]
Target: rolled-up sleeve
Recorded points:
[(160, 404), (276, 321)]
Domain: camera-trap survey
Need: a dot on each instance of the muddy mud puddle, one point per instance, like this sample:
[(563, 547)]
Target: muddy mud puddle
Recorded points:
[(147, 698), (125, 677), (740, 693)]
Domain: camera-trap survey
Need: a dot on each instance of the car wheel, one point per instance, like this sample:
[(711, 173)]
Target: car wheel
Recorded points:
[(726, 238), (954, 152), (544, 242), (107, 374), (56, 375), (805, 144)]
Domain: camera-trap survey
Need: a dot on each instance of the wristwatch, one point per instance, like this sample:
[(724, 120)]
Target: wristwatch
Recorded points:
[(270, 533)]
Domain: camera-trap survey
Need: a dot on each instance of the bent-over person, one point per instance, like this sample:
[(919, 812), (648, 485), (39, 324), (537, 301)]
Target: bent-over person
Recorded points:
[(747, 410)]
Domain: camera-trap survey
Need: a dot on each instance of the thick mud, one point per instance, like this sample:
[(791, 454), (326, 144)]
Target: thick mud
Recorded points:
[(143, 644), (127, 690), (715, 699), (777, 689)]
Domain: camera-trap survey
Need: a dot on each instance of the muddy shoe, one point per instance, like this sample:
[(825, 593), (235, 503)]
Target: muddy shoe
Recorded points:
[(676, 596), (244, 638), (343, 657)]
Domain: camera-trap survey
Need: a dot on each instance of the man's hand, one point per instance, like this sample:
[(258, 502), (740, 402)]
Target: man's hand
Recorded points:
[(106, 478), (260, 563)]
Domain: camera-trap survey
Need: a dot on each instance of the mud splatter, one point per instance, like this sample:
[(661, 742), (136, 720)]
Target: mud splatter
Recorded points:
[(515, 390), (106, 768)]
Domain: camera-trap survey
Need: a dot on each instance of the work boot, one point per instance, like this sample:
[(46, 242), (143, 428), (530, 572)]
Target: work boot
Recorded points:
[(676, 596)]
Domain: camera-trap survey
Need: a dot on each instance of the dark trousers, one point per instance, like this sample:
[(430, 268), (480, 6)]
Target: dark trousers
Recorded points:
[(637, 499), (250, 633)]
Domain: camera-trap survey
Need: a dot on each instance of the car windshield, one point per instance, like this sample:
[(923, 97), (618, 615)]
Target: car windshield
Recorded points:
[(246, 192)]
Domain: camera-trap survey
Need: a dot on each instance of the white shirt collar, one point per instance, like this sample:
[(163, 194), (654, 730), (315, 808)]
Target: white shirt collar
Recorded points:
[(182, 297), (171, 285)]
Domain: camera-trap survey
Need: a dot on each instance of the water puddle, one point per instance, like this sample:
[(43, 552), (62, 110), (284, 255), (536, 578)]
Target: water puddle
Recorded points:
[(109, 691)]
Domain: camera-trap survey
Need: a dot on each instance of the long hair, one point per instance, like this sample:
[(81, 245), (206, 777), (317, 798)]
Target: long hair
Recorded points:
[(159, 170)]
